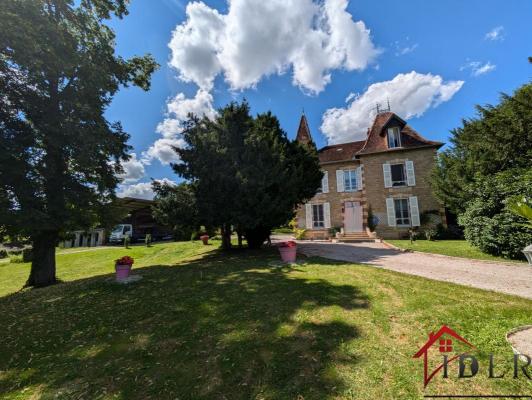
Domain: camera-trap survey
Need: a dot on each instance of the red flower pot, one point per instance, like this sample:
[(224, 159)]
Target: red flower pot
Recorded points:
[(205, 239), (288, 251), (122, 271)]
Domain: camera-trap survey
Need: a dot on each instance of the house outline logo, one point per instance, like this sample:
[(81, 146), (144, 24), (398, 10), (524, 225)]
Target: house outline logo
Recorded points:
[(444, 346)]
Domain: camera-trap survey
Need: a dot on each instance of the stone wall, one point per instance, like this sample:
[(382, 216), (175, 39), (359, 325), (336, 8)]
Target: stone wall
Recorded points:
[(374, 193)]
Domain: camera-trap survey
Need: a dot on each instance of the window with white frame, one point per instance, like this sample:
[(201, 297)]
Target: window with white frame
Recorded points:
[(318, 217), (398, 174), (350, 180), (394, 137), (402, 212)]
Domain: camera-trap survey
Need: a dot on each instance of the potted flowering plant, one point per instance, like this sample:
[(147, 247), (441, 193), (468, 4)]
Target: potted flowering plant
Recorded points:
[(288, 251), (123, 267), (205, 239)]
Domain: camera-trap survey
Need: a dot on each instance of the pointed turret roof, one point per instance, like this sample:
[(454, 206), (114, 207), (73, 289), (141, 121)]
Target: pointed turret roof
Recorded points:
[(303, 132)]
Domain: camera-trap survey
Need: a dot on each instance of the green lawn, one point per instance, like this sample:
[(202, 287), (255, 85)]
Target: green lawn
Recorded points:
[(238, 326), (456, 248)]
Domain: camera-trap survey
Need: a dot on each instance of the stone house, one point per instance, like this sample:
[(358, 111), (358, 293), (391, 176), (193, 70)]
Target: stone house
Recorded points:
[(387, 173)]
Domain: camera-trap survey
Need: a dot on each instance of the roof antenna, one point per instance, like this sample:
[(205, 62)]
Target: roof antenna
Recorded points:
[(303, 110), (388, 101)]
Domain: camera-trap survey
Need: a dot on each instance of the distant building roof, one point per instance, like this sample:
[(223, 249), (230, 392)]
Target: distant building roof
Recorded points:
[(133, 204)]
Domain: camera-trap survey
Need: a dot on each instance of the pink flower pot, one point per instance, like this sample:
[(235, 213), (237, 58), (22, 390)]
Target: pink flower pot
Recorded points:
[(122, 271), (288, 254)]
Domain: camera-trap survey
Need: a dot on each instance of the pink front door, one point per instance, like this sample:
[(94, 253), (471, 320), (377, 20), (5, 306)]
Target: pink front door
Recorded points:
[(352, 216)]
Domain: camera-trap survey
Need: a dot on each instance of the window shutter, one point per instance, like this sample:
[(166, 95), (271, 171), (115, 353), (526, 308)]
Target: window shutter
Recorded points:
[(339, 180), (387, 171), (308, 215), (414, 211), (410, 175), (325, 182), (327, 215), (390, 209), (359, 178)]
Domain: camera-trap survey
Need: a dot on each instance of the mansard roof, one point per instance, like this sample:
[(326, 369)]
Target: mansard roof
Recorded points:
[(340, 152), (376, 140)]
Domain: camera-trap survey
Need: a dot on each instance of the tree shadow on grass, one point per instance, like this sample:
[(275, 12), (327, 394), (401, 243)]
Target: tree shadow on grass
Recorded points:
[(221, 327)]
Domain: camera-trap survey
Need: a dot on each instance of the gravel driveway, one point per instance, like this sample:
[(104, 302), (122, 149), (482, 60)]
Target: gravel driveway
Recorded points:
[(500, 277)]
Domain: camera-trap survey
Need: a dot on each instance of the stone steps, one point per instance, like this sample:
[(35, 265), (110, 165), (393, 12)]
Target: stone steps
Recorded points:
[(355, 237)]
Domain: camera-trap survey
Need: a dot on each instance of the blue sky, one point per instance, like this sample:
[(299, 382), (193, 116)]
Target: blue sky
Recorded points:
[(463, 53)]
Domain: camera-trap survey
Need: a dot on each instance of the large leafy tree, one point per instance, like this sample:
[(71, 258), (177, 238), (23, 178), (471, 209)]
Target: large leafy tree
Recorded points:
[(59, 155), (488, 164), (246, 173), (175, 206), (496, 140)]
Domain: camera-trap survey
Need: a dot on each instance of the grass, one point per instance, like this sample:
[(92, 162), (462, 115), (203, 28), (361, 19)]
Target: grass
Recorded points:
[(206, 325), (76, 263), (455, 248)]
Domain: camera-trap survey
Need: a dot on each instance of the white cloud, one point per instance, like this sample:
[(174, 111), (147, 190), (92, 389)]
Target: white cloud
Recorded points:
[(133, 170), (496, 33), (178, 109), (478, 68), (410, 95), (163, 150), (401, 51), (257, 38), (141, 190), (172, 126)]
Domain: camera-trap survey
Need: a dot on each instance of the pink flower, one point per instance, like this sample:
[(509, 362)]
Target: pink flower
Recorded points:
[(126, 260), (290, 243)]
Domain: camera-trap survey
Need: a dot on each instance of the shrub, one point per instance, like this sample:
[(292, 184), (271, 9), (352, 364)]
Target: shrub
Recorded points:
[(489, 224), (333, 231), (452, 232), (372, 220), (299, 234), (15, 259), (3, 253), (430, 233)]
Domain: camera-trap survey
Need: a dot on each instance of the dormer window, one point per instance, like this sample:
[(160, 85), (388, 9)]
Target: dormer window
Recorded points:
[(394, 137)]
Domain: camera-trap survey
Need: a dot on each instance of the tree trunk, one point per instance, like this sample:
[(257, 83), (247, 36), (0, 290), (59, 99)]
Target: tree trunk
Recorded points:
[(257, 236), (43, 262), (226, 236)]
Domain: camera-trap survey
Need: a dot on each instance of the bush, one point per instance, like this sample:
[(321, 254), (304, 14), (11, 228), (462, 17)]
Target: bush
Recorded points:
[(430, 234), (333, 231), (452, 232), (15, 259), (299, 234), (3, 253), (492, 227), (372, 220)]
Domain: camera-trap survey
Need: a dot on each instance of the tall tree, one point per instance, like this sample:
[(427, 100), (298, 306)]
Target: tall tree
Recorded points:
[(59, 156), (211, 161), (246, 173), (175, 206), (487, 165), (498, 139)]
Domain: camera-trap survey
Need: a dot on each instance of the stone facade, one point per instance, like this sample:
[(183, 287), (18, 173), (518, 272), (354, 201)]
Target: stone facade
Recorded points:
[(372, 191)]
